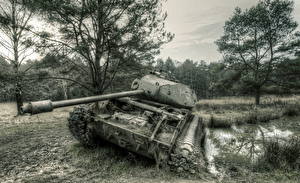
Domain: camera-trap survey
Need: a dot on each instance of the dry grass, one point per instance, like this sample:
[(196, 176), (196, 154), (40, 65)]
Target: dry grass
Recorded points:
[(40, 148), (227, 111), (281, 155), (239, 102)]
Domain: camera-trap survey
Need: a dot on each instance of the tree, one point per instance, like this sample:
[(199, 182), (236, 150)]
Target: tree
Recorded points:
[(46, 77), (193, 74), (255, 40), (169, 66), (288, 74), (105, 34), (15, 43), (160, 64)]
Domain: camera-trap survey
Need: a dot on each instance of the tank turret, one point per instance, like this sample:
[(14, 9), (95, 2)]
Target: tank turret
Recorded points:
[(165, 91), (149, 87)]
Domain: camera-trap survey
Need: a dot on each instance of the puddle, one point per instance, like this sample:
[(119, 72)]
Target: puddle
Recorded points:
[(243, 141), (210, 152), (273, 132)]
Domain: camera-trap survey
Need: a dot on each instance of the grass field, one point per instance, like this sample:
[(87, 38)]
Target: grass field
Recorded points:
[(40, 148), (228, 111)]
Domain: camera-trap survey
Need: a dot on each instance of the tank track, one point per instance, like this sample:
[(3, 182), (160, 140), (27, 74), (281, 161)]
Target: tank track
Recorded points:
[(78, 125), (194, 163)]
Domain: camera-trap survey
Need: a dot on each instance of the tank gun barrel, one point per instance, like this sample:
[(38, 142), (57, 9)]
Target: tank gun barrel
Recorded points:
[(48, 105), (151, 87)]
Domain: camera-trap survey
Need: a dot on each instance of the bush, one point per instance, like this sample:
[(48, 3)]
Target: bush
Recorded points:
[(218, 121), (279, 155), (292, 110)]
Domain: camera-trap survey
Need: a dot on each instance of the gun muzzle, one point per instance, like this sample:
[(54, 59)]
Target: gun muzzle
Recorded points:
[(37, 107)]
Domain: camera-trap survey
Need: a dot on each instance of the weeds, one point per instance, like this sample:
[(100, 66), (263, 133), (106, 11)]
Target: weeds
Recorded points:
[(292, 110), (281, 155), (234, 165)]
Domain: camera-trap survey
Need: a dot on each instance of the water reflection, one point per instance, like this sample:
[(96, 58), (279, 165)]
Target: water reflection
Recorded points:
[(244, 141)]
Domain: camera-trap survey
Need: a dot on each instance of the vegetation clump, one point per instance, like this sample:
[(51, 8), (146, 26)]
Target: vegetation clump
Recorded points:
[(292, 110), (281, 155)]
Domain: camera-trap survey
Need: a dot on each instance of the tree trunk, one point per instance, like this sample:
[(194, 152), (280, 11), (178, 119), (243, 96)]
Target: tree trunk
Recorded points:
[(19, 97), (65, 89), (257, 96)]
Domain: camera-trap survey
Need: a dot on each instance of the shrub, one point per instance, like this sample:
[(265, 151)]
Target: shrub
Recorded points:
[(219, 121), (281, 155), (251, 118), (292, 110)]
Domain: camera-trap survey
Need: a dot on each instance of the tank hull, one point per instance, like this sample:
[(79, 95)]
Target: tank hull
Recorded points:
[(148, 133), (131, 140)]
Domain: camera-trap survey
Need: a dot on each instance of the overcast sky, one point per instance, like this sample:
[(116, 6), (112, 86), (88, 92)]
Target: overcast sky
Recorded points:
[(198, 23)]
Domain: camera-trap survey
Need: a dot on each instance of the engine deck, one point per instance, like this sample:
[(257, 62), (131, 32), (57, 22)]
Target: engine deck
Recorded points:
[(142, 131)]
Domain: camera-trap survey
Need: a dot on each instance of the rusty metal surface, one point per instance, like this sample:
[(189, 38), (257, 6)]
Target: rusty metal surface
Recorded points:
[(150, 108), (166, 91), (131, 140), (38, 107), (135, 131), (150, 86), (48, 105)]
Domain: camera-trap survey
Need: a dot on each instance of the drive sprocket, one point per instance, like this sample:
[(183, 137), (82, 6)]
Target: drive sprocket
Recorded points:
[(79, 119)]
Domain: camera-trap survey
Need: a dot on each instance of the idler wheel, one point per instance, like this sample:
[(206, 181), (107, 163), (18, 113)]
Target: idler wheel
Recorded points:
[(79, 119)]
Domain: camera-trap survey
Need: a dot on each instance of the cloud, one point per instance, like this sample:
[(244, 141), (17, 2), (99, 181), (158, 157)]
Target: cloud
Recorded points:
[(197, 24), (208, 32), (204, 29), (211, 15), (201, 35), (195, 51)]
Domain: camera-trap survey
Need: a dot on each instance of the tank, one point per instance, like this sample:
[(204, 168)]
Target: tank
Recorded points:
[(154, 119)]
